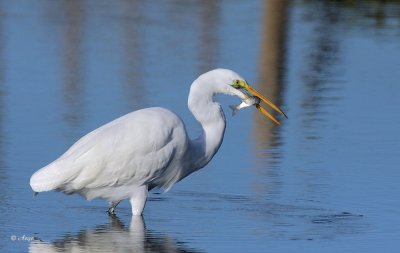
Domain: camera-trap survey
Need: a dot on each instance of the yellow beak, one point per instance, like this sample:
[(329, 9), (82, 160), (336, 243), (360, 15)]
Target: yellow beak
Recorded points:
[(254, 92)]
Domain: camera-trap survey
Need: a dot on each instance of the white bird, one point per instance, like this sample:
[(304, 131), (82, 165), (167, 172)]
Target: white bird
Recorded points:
[(147, 148)]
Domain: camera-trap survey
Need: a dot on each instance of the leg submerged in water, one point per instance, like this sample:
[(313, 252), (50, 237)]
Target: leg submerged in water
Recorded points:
[(138, 200), (113, 205)]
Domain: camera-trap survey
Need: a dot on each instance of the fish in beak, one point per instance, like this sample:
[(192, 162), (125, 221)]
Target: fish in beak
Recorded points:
[(241, 84)]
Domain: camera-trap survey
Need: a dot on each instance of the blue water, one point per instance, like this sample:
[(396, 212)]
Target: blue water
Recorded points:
[(324, 181)]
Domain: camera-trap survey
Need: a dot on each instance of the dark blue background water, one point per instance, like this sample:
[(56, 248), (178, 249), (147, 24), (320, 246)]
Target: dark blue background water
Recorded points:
[(327, 180)]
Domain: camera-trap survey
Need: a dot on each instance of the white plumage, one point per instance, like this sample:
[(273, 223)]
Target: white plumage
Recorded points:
[(143, 149)]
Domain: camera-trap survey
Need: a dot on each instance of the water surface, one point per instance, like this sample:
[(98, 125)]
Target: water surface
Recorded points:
[(324, 181)]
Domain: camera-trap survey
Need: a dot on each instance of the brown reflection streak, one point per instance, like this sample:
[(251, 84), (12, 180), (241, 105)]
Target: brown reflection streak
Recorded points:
[(271, 64), (72, 62), (270, 83), (208, 49), (132, 44)]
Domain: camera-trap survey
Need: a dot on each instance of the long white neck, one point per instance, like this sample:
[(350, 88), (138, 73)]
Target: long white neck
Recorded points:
[(211, 117)]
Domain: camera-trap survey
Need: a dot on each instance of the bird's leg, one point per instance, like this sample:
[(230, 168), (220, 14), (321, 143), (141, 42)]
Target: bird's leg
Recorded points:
[(138, 200), (113, 205)]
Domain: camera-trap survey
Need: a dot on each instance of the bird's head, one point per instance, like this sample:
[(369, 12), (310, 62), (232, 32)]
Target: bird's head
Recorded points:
[(229, 82), (241, 84)]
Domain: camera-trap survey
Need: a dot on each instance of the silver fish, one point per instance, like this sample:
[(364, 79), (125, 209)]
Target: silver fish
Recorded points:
[(253, 100)]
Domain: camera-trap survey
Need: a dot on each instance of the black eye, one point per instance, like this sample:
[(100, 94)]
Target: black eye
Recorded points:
[(236, 84)]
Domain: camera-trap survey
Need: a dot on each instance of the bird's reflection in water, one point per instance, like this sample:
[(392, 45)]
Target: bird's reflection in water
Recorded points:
[(113, 237)]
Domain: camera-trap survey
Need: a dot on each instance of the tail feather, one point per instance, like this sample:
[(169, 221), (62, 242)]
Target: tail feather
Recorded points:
[(50, 178)]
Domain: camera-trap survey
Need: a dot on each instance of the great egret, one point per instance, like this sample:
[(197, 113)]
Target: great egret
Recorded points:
[(147, 148)]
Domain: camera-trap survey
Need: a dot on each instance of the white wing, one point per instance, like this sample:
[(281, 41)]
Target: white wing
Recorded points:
[(135, 149)]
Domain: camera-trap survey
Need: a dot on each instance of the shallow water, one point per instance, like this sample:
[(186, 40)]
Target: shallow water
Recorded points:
[(325, 181)]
